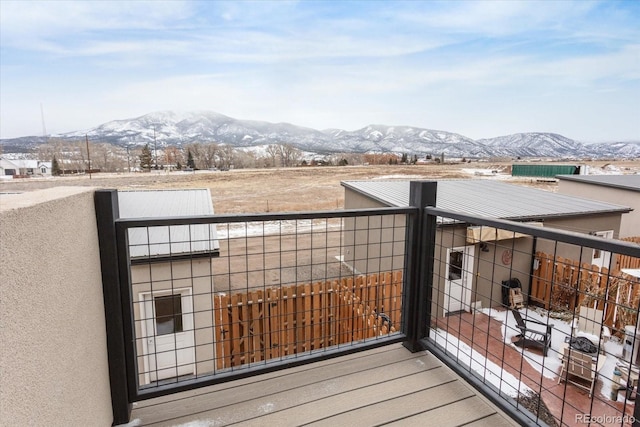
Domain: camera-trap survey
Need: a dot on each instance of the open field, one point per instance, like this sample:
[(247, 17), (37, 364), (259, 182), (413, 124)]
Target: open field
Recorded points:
[(286, 189)]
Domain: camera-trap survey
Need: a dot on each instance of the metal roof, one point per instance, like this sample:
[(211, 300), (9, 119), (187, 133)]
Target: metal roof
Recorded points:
[(488, 199), (171, 240), (623, 182)]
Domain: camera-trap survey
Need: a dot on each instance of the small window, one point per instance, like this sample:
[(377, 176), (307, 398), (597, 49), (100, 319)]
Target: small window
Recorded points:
[(455, 265), (168, 314)]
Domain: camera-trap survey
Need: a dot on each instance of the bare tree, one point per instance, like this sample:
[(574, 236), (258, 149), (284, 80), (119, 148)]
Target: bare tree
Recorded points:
[(45, 152), (352, 158), (226, 154), (273, 154), (209, 154), (173, 156), (244, 159), (290, 155), (196, 150)]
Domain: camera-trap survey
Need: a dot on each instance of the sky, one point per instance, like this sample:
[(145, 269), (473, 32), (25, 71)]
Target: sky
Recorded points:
[(480, 69)]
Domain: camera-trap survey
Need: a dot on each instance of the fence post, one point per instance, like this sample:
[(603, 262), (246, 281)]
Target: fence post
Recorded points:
[(107, 211), (420, 247)]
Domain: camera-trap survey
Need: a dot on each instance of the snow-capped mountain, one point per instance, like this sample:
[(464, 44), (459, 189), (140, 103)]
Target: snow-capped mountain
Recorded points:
[(168, 128), (535, 144), (629, 150)]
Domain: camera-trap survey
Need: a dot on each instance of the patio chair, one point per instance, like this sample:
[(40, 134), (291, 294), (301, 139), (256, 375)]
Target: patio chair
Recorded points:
[(581, 365), (589, 324), (532, 333)]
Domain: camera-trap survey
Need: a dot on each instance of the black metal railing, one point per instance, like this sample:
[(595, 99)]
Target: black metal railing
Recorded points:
[(527, 315), (497, 301), (216, 298)]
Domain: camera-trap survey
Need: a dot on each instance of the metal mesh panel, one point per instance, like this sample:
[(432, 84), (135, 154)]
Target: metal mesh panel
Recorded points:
[(258, 292), (511, 307)]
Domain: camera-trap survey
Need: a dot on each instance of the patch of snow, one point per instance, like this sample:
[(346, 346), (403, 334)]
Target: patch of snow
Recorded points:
[(605, 170), (487, 173), (268, 228), (133, 423), (488, 370), (202, 423), (267, 407), (405, 177), (550, 366)]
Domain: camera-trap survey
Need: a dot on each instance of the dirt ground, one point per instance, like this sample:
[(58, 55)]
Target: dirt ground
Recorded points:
[(287, 189)]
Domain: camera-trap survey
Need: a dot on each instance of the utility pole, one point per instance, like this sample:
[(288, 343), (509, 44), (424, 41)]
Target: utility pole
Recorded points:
[(128, 161), (86, 138), (155, 148), (44, 128)]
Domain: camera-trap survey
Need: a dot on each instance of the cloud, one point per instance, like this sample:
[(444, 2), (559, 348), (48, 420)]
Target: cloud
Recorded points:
[(463, 66), (49, 19)]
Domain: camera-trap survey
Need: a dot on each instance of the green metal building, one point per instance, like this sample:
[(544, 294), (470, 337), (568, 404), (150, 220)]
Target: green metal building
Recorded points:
[(547, 171)]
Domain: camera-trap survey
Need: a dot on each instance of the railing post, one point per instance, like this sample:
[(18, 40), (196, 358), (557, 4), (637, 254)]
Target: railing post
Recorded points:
[(420, 238), (107, 211)]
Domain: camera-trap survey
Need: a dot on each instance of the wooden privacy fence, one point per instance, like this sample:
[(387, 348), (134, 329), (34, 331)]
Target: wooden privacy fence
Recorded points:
[(265, 324), (626, 261), (564, 284)]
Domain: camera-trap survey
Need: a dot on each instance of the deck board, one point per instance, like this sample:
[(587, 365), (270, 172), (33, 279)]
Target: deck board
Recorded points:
[(385, 385), (458, 412)]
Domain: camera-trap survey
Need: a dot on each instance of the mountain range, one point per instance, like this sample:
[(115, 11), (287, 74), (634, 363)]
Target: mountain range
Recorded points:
[(169, 128)]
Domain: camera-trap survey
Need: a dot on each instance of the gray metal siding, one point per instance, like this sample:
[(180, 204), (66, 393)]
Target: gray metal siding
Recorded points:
[(623, 182), (173, 240), (488, 199)]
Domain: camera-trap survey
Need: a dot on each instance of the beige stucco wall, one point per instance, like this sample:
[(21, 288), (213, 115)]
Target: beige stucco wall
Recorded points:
[(53, 352), (630, 225)]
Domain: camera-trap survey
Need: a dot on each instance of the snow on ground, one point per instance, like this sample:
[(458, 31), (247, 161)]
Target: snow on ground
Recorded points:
[(133, 423), (274, 228), (403, 177), (488, 370), (606, 170), (494, 173), (202, 423), (548, 366)]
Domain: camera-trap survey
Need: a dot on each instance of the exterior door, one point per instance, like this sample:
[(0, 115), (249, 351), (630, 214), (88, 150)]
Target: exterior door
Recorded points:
[(459, 279), (602, 258), (168, 347)]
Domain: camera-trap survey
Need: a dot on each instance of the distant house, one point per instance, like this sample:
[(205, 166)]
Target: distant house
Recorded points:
[(608, 188), (463, 249), (10, 167), (172, 282)]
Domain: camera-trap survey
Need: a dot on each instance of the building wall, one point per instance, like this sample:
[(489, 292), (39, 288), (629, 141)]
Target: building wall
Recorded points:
[(489, 269), (487, 286), (53, 351), (586, 225), (630, 225), (195, 275), (375, 243)]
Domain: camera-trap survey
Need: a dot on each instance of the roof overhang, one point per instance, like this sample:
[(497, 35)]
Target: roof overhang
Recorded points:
[(478, 234)]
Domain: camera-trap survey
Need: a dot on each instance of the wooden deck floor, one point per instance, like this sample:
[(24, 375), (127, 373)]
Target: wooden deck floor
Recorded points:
[(388, 385)]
